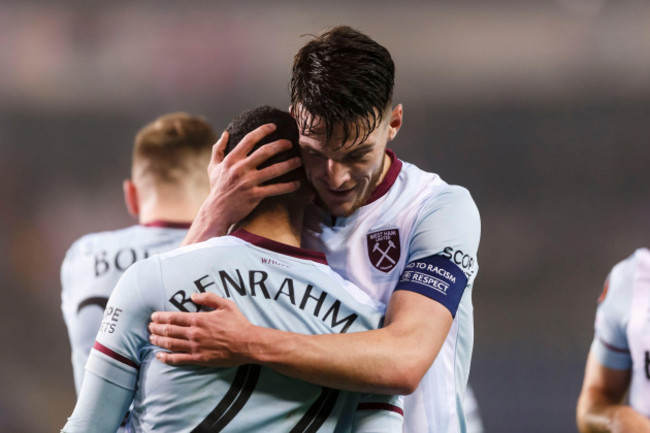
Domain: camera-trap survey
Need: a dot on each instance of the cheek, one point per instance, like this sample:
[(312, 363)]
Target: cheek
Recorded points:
[(312, 167)]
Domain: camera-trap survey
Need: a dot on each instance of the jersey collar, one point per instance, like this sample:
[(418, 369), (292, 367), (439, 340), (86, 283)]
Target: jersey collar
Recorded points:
[(278, 247), (388, 181), (167, 224)]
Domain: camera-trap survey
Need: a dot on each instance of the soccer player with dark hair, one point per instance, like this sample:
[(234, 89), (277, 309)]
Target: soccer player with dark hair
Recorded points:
[(618, 364), (404, 236), (262, 272)]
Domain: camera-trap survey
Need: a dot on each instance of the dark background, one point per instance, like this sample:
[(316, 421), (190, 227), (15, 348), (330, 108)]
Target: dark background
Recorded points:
[(540, 108)]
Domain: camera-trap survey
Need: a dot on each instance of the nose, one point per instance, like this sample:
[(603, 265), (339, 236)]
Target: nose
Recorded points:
[(337, 174)]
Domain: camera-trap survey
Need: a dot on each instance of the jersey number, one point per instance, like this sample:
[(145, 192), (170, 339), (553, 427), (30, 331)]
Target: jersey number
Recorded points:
[(240, 391)]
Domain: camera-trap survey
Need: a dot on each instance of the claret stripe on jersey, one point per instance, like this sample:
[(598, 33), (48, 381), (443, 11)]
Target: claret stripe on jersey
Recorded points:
[(613, 348), (380, 406), (116, 356)]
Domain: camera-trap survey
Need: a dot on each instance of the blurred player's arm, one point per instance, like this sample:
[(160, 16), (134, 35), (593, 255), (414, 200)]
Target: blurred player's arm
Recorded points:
[(236, 185), (82, 309), (100, 408), (600, 405)]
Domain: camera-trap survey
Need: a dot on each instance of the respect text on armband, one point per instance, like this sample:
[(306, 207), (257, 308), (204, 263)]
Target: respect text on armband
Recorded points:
[(256, 285), (110, 320), (436, 277)]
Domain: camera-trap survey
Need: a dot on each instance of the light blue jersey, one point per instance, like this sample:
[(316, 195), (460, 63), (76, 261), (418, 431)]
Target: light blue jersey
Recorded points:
[(417, 233), (622, 327), (273, 285), (90, 270)]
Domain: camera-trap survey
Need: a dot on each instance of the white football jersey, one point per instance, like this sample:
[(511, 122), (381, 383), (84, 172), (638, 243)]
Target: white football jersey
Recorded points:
[(415, 233), (90, 270), (273, 285), (622, 327)]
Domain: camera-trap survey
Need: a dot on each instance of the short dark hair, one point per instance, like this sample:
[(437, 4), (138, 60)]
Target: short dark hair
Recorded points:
[(345, 78), (166, 147), (286, 128)]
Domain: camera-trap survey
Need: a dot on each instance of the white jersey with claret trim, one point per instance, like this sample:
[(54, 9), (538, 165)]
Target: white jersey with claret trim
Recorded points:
[(90, 270), (273, 285), (622, 327), (415, 233)]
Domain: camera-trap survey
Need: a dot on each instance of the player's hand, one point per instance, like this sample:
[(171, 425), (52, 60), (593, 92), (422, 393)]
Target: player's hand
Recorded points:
[(215, 338), (236, 185)]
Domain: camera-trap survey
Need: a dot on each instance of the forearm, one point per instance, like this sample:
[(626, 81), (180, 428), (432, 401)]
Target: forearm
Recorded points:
[(100, 408), (390, 360), (605, 417), (373, 361)]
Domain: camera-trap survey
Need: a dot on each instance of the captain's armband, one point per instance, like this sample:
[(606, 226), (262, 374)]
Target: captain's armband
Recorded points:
[(435, 277)]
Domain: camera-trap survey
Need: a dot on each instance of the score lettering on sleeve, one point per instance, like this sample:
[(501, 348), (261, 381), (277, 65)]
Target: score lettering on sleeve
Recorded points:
[(436, 277)]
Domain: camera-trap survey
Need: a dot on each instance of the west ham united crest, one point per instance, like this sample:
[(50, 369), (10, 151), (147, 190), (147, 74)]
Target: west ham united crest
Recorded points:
[(384, 249)]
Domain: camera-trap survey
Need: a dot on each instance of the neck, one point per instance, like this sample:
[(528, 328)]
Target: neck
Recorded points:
[(279, 224), (180, 210), (384, 169)]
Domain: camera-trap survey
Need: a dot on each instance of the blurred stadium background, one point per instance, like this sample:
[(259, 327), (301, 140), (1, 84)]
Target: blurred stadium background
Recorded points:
[(540, 108)]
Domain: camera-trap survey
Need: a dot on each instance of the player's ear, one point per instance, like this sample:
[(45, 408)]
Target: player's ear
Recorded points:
[(395, 121), (131, 197)]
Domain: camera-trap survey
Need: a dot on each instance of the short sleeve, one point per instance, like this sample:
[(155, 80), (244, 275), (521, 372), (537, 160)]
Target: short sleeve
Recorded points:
[(449, 225), (379, 413), (610, 344), (123, 334), (442, 256)]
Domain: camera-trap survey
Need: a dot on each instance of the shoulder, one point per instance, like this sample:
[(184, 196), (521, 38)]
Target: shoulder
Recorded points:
[(616, 297), (91, 242), (201, 248), (452, 208), (620, 281), (433, 192)]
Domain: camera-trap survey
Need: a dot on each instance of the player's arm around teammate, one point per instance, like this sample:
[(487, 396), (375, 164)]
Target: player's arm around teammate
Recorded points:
[(391, 360)]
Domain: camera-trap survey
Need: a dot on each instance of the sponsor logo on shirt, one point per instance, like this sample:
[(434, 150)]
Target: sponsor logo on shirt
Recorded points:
[(384, 249)]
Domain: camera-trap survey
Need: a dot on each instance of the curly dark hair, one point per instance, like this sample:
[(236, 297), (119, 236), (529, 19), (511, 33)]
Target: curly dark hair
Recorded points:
[(342, 77)]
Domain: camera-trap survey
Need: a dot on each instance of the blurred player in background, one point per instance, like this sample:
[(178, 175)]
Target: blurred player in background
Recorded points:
[(619, 359), (404, 236), (168, 183), (262, 269)]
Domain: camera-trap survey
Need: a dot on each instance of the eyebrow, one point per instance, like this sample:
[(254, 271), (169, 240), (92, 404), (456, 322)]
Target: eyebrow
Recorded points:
[(365, 147)]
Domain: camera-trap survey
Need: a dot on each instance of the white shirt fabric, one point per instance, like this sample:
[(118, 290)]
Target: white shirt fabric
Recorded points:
[(273, 285), (622, 326), (415, 219), (90, 270)]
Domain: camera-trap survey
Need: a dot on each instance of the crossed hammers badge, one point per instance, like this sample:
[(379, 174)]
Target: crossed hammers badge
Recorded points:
[(384, 249)]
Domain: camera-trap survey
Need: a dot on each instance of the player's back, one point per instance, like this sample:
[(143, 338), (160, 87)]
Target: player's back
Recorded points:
[(91, 268), (273, 285)]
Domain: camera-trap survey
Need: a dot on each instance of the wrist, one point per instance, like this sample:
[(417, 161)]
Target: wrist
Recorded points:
[(268, 346), (206, 225)]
